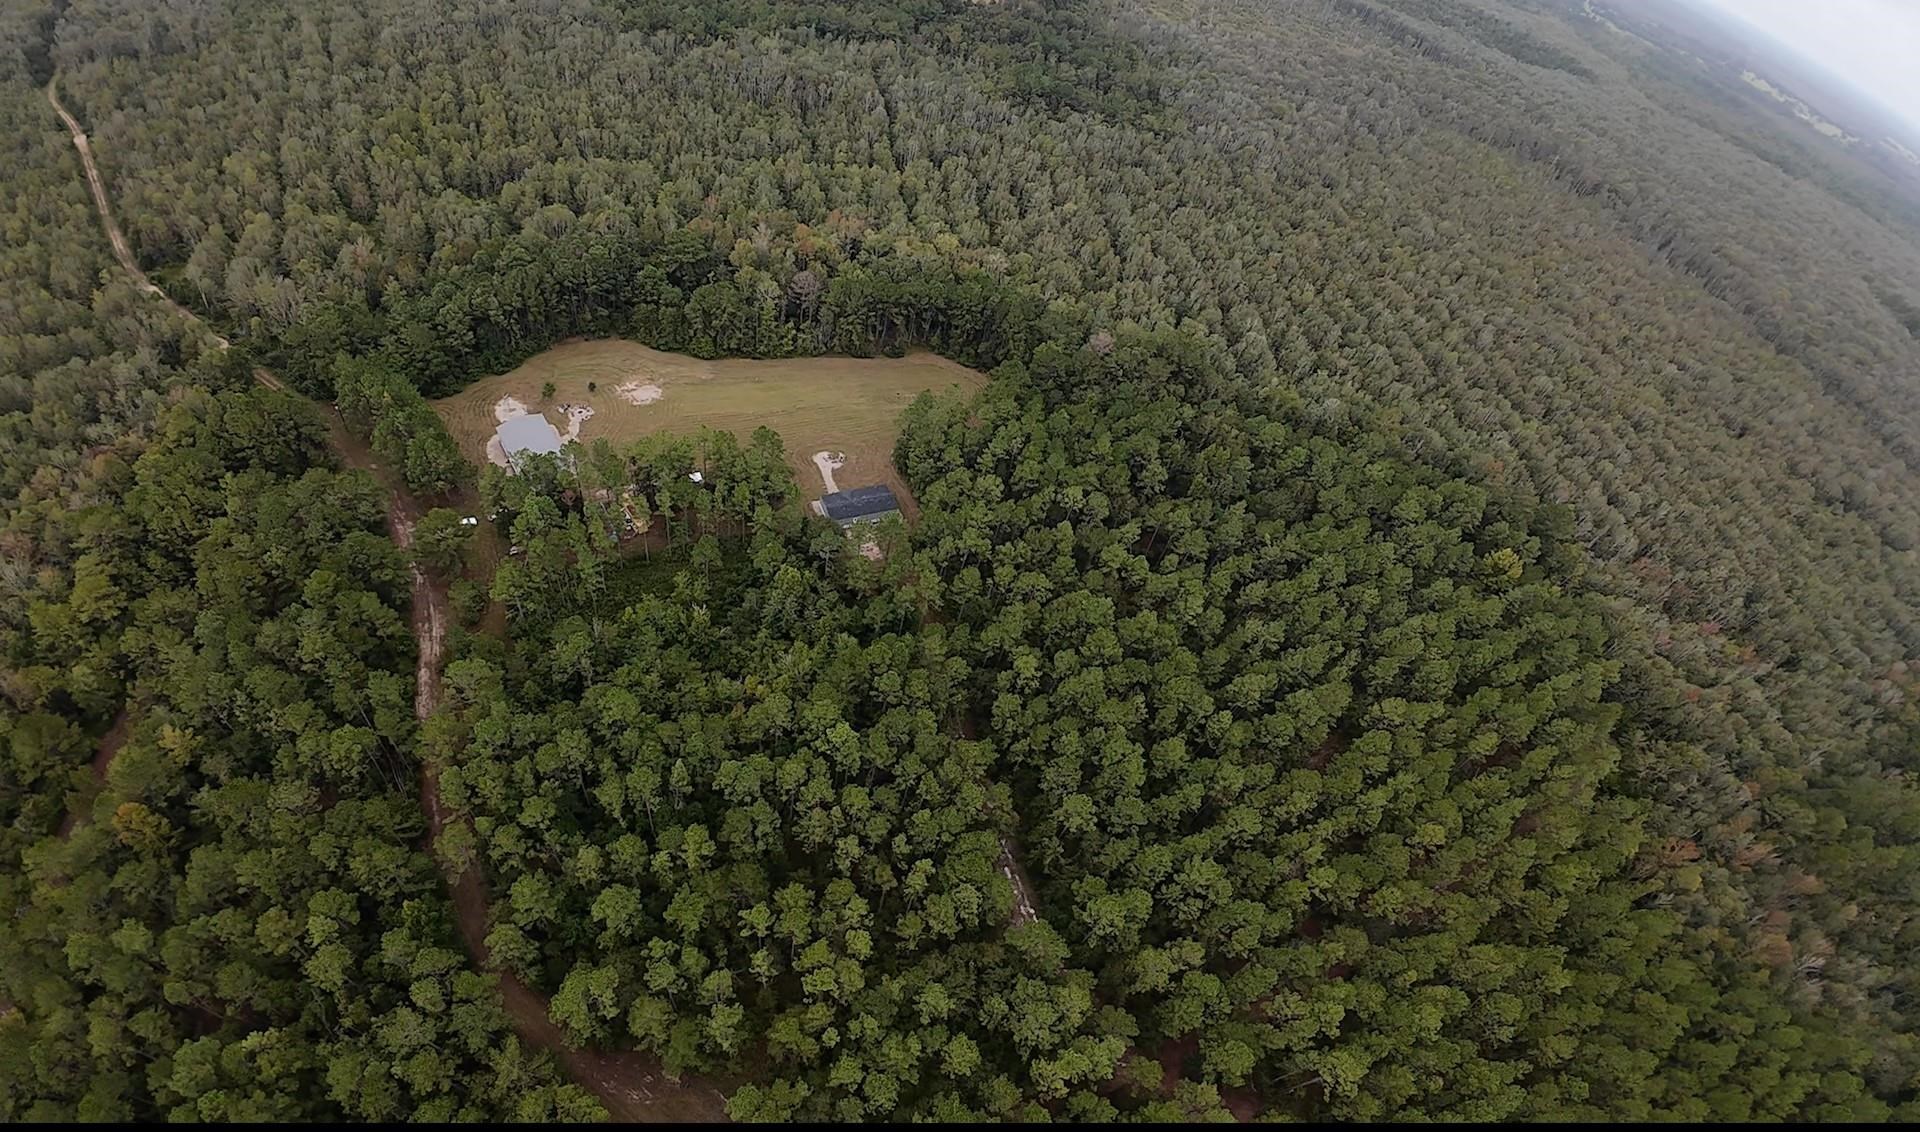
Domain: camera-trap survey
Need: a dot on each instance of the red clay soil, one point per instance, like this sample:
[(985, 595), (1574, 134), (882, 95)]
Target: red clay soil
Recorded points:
[(632, 1086), (110, 744)]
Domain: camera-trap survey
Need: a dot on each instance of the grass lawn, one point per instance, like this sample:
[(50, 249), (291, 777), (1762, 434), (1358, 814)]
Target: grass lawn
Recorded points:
[(843, 405)]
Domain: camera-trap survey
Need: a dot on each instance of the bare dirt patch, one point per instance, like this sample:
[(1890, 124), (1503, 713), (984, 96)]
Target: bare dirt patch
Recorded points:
[(640, 392)]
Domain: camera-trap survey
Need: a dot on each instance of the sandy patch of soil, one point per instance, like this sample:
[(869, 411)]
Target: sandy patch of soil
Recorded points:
[(828, 463), (507, 408), (640, 392), (577, 415)]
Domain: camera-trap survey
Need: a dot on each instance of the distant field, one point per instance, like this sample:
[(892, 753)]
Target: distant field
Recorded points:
[(843, 405)]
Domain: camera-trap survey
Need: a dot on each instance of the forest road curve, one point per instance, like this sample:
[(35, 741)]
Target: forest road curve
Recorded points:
[(633, 1086), (122, 251)]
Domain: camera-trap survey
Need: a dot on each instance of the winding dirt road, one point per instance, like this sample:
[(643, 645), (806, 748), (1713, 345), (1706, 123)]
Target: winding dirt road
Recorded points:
[(632, 1086), (121, 250)]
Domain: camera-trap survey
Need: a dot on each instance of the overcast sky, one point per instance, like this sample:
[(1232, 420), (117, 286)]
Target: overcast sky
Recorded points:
[(1873, 43)]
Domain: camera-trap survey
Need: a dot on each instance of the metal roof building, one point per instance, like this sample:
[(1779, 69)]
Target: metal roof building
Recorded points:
[(859, 505), (533, 433)]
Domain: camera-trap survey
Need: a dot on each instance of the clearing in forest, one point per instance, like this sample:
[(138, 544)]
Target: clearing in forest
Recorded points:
[(849, 407)]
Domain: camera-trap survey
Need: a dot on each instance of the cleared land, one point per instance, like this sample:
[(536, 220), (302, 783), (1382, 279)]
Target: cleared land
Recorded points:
[(846, 406)]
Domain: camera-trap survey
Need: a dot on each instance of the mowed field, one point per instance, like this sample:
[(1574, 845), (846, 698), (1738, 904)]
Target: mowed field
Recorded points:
[(849, 406)]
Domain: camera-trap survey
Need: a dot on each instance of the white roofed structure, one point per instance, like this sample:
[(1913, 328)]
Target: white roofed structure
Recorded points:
[(532, 433)]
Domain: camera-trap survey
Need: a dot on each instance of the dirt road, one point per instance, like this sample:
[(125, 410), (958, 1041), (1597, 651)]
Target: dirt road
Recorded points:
[(110, 744), (632, 1086), (121, 250), (1023, 911)]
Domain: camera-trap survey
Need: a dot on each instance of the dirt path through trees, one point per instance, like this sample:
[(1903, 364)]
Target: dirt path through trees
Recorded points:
[(110, 744), (632, 1086), (1023, 907), (122, 251)]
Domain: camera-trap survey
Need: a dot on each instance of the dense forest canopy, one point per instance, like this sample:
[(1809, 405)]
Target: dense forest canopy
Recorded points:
[(239, 924), (1419, 624)]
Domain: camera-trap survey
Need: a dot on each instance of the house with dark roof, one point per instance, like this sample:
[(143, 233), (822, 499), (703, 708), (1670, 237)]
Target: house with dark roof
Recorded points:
[(858, 505)]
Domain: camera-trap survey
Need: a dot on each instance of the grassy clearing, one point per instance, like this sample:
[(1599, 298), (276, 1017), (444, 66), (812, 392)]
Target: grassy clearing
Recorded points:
[(844, 405)]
